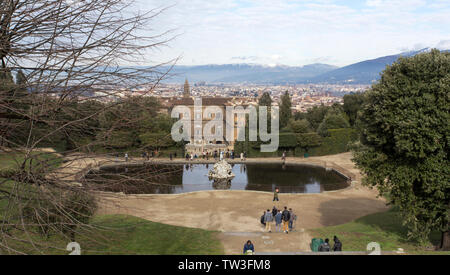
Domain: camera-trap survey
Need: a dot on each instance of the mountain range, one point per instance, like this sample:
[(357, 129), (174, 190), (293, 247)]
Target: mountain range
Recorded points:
[(365, 72)]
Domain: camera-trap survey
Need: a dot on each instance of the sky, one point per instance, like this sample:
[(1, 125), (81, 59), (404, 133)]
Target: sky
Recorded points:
[(297, 32)]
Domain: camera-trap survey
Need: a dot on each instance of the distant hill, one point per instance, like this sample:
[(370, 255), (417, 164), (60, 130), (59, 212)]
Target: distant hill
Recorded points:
[(246, 73), (365, 72)]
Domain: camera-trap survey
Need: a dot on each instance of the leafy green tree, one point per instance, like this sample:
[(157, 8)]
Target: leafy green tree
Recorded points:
[(265, 100), (285, 110), (308, 140), (316, 115), (300, 126), (352, 105), (404, 149), (122, 124), (333, 120)]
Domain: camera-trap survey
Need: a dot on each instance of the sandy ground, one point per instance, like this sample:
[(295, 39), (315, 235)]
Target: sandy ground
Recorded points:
[(236, 213)]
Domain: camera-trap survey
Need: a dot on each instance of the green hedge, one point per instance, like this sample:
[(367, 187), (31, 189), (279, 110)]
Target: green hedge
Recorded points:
[(338, 142), (295, 144)]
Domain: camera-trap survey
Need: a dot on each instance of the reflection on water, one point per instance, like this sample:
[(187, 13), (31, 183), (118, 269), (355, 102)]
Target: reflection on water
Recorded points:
[(171, 179)]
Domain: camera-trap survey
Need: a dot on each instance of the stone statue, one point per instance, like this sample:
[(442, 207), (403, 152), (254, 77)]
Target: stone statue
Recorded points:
[(221, 171)]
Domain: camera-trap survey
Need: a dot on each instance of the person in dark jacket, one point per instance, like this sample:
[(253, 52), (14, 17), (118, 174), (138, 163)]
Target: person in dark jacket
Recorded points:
[(274, 211), (249, 246), (337, 244), (325, 247), (286, 216), (263, 222)]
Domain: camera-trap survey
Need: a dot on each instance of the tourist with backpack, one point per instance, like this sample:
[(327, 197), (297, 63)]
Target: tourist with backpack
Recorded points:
[(263, 222), (286, 217), (278, 221), (274, 211), (292, 218), (268, 219), (325, 247), (337, 244)]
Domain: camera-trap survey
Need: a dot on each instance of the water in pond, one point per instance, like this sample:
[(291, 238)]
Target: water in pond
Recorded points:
[(183, 178)]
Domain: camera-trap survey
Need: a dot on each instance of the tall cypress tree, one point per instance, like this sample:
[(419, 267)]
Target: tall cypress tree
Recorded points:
[(265, 100), (285, 110)]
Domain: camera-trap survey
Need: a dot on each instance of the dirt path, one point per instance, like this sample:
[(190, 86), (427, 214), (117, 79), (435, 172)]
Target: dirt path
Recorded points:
[(236, 213), (296, 241), (239, 211)]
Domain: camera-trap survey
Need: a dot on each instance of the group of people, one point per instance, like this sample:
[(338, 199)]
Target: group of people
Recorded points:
[(325, 246), (284, 220), (216, 155), (146, 155), (192, 156), (249, 248)]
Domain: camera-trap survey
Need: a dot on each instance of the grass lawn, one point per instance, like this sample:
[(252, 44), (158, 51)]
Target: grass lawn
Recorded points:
[(384, 228), (131, 235), (11, 161), (115, 234), (128, 235)]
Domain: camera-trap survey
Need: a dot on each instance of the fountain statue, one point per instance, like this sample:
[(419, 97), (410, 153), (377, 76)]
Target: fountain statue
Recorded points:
[(221, 172)]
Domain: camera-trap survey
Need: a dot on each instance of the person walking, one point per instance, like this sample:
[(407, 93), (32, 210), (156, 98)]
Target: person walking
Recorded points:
[(337, 244), (126, 157), (249, 248), (242, 156), (170, 156), (283, 158), (286, 217), (268, 219), (292, 218), (275, 195), (325, 247), (278, 221)]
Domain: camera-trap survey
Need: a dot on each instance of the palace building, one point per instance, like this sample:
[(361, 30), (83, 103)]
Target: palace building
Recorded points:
[(199, 145)]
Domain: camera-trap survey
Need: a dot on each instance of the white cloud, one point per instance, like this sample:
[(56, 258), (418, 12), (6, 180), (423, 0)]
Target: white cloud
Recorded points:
[(296, 32), (443, 45)]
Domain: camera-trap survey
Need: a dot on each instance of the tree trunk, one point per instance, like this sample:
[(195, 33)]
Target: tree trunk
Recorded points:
[(445, 241)]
